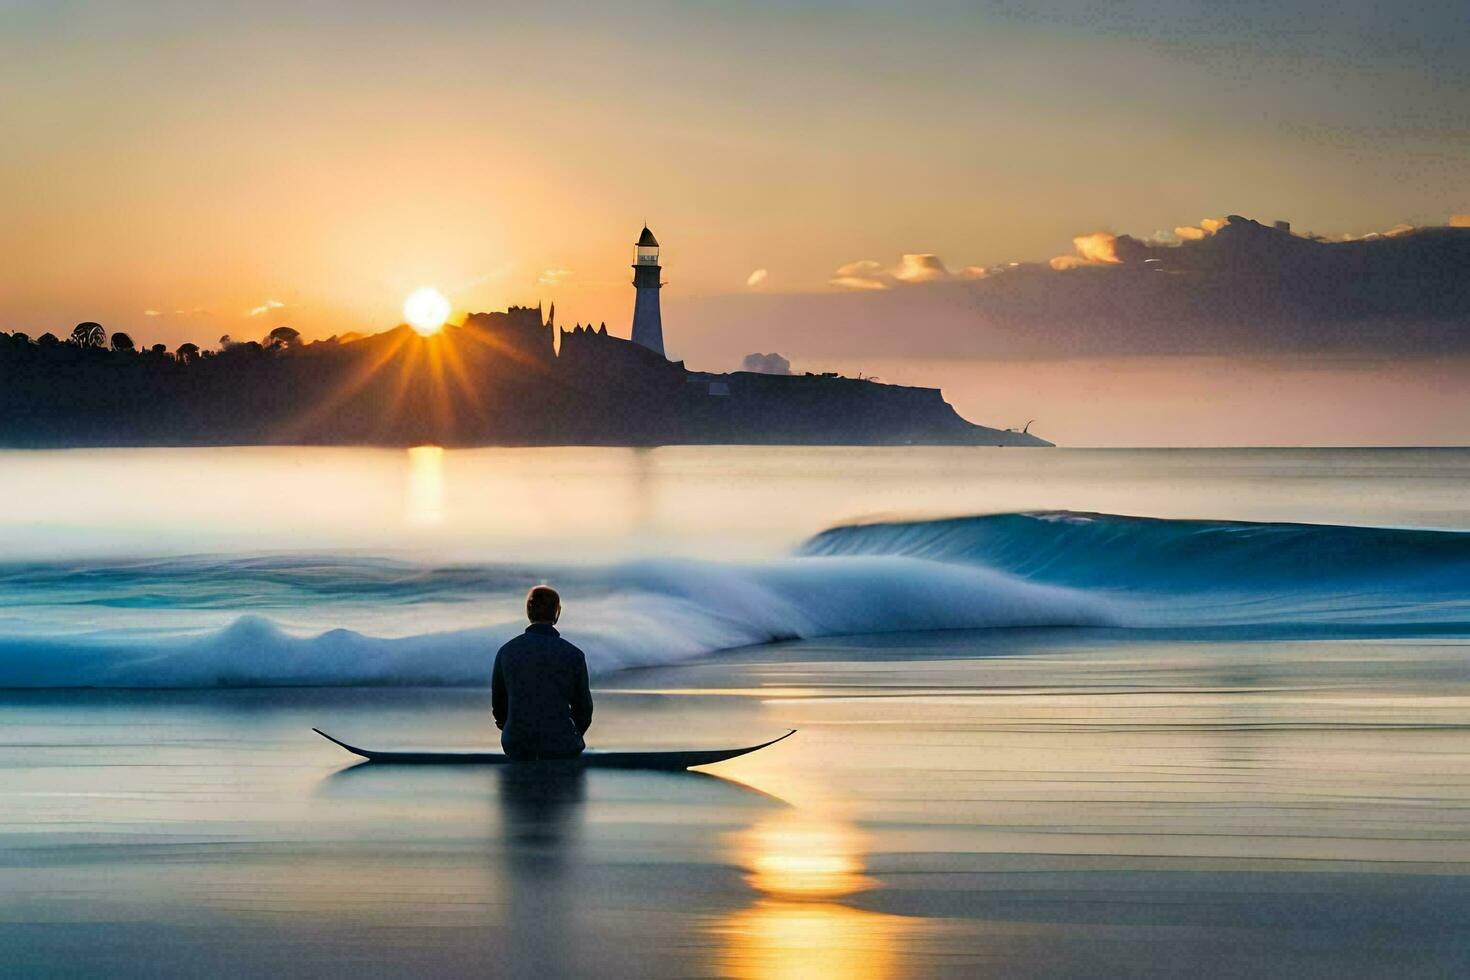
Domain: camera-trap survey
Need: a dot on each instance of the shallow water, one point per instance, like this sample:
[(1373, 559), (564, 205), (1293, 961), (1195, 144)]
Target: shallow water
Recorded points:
[(1031, 743), (1006, 802)]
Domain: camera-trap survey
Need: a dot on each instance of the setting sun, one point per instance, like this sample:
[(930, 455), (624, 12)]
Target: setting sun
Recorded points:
[(426, 309)]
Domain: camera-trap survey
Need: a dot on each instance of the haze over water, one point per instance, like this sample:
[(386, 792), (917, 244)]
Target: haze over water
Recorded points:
[(1038, 735), (696, 501)]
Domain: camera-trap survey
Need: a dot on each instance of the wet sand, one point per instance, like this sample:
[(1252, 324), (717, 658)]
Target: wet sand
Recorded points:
[(1004, 802)]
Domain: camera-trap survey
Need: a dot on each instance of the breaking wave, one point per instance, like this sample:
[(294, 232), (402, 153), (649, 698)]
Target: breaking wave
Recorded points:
[(342, 620), (637, 615), (1166, 572)]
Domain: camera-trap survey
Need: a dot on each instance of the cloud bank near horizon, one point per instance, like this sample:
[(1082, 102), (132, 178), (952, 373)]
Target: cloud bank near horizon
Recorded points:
[(1226, 286), (912, 269)]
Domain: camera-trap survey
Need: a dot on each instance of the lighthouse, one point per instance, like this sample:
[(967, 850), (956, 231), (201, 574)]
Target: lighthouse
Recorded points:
[(648, 327)]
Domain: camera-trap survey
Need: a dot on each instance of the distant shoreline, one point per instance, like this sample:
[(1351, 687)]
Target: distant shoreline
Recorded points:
[(7, 444), (497, 380)]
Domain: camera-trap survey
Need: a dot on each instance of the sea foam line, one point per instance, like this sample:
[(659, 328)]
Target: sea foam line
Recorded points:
[(658, 612)]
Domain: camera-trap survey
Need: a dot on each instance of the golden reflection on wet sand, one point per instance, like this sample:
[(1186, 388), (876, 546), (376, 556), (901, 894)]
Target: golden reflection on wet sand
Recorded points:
[(802, 863), (787, 939), (797, 854)]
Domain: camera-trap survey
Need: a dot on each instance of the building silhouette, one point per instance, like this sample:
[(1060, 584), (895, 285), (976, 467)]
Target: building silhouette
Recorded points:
[(518, 332), (593, 357), (648, 327)]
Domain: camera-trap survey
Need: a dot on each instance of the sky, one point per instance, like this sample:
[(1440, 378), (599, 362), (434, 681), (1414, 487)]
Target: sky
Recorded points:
[(183, 171)]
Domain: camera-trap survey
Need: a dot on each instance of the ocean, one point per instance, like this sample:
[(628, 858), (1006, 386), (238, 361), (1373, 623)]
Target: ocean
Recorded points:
[(1060, 712), (260, 567)]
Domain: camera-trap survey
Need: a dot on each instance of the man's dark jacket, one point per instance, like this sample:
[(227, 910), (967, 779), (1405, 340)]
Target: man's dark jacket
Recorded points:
[(540, 696)]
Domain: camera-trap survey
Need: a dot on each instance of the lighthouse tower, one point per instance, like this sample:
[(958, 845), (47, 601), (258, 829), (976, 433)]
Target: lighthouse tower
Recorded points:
[(648, 327)]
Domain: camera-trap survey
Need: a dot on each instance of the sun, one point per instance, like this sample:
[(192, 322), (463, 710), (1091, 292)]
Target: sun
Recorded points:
[(426, 309)]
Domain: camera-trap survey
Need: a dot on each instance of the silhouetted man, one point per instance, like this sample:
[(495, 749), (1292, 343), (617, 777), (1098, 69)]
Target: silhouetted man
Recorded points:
[(539, 692)]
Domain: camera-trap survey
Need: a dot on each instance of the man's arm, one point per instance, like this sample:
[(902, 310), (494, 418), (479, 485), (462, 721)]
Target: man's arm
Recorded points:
[(581, 701), (497, 694)]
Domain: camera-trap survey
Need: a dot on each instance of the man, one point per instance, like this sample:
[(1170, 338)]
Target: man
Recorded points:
[(539, 692)]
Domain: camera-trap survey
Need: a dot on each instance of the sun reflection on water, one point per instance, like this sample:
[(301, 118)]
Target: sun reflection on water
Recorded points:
[(776, 939), (799, 855), (426, 485), (801, 863)]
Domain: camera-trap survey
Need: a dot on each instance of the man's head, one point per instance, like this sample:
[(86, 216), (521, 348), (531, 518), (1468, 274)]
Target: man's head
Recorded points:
[(543, 605)]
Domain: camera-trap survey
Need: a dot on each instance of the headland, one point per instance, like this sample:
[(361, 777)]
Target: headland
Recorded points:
[(509, 378)]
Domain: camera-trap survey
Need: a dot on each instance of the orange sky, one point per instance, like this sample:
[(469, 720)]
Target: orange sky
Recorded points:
[(172, 167)]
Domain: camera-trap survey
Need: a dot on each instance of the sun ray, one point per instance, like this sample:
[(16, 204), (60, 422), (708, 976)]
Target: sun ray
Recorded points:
[(424, 388), (357, 380)]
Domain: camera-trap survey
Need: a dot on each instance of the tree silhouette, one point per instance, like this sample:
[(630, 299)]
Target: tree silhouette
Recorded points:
[(48, 339), (122, 342), (89, 334), (281, 338), (187, 353)]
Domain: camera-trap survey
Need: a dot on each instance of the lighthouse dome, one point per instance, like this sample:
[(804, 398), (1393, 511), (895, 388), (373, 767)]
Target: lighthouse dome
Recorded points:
[(647, 239)]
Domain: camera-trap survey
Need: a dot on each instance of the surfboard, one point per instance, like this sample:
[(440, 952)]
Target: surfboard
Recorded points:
[(590, 759)]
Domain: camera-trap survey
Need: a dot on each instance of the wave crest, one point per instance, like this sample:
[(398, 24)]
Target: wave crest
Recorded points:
[(654, 613), (1112, 551)]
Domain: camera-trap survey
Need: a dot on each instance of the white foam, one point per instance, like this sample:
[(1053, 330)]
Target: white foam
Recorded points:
[(656, 612)]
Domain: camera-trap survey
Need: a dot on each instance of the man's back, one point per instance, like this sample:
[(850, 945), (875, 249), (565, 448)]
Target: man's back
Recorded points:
[(540, 695)]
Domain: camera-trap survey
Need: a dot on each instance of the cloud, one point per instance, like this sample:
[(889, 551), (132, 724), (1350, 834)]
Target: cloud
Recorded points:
[(196, 311), (1099, 247), (772, 363), (266, 307), (1397, 231), (553, 277), (862, 274), (1105, 248), (858, 282), (913, 269), (921, 267), (1247, 289), (1194, 233), (755, 278)]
